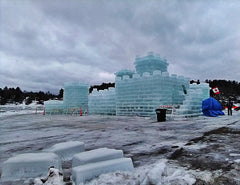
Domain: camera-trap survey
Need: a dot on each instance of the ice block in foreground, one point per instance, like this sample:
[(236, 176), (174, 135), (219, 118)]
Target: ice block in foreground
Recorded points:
[(82, 173), (101, 154), (29, 165), (66, 150)]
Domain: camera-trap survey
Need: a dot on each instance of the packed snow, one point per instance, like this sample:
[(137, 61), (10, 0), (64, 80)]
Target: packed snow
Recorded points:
[(187, 151)]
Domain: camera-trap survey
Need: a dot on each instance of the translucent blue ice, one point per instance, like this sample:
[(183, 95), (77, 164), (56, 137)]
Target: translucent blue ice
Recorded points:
[(136, 93)]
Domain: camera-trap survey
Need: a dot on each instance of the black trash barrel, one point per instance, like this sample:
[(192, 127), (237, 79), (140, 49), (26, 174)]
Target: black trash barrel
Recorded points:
[(161, 114)]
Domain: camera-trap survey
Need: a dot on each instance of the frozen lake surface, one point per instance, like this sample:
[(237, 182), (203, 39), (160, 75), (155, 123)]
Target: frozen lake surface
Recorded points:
[(195, 151)]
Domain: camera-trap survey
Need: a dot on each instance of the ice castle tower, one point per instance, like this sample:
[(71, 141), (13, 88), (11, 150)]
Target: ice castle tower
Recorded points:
[(150, 63), (151, 86), (75, 99)]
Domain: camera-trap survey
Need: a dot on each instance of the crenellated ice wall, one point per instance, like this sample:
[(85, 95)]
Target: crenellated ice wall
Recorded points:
[(141, 95), (137, 92), (102, 102)]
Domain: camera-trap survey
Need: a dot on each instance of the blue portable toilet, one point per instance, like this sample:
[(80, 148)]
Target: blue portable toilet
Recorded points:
[(211, 107)]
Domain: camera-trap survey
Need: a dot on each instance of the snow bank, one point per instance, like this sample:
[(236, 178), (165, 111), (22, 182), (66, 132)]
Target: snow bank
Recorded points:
[(101, 154), (29, 165), (54, 177), (160, 173), (20, 109)]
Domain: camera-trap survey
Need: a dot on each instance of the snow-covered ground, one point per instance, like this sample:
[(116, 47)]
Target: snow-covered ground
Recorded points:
[(20, 109), (190, 151)]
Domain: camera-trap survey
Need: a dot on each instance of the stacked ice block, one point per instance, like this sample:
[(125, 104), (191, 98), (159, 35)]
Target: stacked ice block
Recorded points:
[(136, 93), (154, 62), (75, 95), (66, 150), (192, 105), (75, 98), (54, 107), (102, 102), (149, 88), (97, 155), (87, 165)]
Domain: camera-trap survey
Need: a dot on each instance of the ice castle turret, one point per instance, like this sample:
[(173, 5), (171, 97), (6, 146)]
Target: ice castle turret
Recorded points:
[(75, 95), (150, 87), (150, 63), (124, 72)]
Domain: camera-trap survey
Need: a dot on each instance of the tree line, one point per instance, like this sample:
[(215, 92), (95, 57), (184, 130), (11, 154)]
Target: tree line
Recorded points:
[(101, 87), (16, 95), (228, 89)]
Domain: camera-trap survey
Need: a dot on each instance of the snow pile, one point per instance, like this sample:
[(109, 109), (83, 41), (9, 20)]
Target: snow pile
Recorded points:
[(20, 109), (162, 173), (54, 177), (29, 165), (66, 150)]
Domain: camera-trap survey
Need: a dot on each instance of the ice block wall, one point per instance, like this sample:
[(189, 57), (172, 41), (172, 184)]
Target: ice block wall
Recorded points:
[(141, 95), (102, 102), (142, 92), (54, 107), (136, 93), (75, 96), (192, 105)]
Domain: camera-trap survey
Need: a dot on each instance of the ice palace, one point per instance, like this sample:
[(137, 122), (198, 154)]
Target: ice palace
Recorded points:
[(136, 93)]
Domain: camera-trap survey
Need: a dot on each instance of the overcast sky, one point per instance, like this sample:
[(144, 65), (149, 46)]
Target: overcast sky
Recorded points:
[(46, 43)]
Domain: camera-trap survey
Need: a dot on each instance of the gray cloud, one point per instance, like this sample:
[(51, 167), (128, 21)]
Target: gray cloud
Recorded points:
[(46, 43)]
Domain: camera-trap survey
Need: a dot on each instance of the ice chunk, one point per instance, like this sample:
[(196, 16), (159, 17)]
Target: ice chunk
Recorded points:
[(66, 150), (54, 177), (29, 165), (86, 172), (101, 154)]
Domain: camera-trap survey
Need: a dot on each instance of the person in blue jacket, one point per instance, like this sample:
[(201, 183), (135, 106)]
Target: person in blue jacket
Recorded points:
[(229, 106)]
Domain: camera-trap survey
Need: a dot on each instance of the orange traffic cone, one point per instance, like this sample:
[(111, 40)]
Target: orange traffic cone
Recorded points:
[(80, 111)]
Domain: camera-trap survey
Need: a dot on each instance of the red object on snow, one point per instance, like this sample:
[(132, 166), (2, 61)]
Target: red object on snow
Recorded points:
[(216, 90), (80, 111)]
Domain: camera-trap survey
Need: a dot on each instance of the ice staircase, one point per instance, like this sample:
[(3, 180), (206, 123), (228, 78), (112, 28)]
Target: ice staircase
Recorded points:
[(192, 105), (85, 165)]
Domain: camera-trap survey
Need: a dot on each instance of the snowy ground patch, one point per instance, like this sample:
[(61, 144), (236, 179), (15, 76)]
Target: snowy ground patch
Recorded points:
[(160, 173), (195, 141)]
